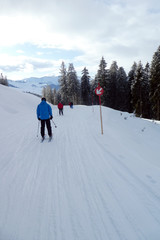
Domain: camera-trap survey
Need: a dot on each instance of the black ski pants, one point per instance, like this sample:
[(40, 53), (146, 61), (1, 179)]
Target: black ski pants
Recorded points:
[(48, 124), (60, 111)]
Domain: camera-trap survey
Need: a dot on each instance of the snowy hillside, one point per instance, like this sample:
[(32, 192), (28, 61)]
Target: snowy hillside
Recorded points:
[(82, 185), (35, 85)]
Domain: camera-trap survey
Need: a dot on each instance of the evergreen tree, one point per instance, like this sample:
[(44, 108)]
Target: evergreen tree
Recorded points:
[(140, 93), (44, 92), (131, 81), (63, 84), (3, 80), (94, 97), (113, 83), (155, 85), (54, 97), (85, 88), (137, 91), (121, 90), (49, 94), (103, 79), (73, 85), (57, 98), (146, 89)]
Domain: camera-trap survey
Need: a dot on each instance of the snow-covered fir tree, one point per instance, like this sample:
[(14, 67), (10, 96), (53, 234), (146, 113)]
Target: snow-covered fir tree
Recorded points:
[(121, 90), (146, 89), (57, 98), (137, 90), (131, 80), (3, 80), (94, 97), (49, 93), (44, 92), (73, 85), (102, 78), (140, 92), (63, 84), (113, 83), (85, 88), (155, 85)]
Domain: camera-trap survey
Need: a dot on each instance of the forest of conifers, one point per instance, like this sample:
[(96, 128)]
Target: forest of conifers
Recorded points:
[(136, 92)]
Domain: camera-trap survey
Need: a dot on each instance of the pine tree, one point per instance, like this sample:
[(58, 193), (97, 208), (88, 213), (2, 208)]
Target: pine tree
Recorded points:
[(131, 81), (113, 71), (103, 79), (49, 93), (63, 84), (73, 85), (140, 94), (94, 97), (57, 98), (85, 88), (146, 89), (54, 97), (155, 85), (3, 80), (137, 91), (121, 90), (44, 92)]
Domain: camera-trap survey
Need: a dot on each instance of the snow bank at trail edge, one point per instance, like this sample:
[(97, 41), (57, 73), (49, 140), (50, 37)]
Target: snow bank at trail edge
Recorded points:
[(82, 185)]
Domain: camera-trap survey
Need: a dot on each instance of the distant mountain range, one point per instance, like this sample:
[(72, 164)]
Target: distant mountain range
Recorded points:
[(34, 84)]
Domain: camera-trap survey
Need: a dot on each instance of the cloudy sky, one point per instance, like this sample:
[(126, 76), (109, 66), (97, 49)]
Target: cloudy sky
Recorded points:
[(37, 35)]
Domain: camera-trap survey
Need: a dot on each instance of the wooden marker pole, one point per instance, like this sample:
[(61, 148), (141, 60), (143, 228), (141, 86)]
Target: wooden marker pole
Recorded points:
[(99, 92), (101, 115)]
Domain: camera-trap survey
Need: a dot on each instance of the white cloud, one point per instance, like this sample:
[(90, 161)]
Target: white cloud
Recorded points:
[(121, 30), (16, 66), (20, 51)]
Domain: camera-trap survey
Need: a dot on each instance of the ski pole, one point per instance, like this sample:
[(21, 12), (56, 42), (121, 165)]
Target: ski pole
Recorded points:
[(38, 129), (54, 123)]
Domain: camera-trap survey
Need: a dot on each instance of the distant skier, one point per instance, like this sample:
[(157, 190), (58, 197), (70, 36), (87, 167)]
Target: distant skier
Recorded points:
[(60, 107), (44, 114), (71, 104)]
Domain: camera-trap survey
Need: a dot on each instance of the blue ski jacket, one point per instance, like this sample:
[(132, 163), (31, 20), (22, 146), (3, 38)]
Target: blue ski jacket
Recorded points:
[(44, 110)]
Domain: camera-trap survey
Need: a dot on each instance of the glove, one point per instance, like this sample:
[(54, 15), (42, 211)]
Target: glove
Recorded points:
[(51, 117), (39, 119)]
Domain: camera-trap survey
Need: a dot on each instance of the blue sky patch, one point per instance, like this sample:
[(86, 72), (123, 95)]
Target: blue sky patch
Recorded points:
[(31, 50)]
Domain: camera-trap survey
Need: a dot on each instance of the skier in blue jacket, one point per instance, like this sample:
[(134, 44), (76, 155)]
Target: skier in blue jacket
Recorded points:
[(44, 114)]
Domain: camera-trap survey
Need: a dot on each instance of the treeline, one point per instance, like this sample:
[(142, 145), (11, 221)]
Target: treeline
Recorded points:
[(69, 87), (3, 80), (137, 92)]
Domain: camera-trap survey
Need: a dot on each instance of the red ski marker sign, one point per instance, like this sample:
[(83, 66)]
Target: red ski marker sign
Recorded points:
[(99, 91)]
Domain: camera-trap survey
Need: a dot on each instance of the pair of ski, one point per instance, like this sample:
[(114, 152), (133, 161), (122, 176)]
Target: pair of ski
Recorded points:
[(49, 140)]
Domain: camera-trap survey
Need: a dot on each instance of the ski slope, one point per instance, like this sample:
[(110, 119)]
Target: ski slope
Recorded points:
[(83, 185)]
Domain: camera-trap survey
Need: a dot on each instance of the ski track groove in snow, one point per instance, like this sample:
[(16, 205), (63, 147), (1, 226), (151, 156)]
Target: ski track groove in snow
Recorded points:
[(107, 209), (81, 185), (144, 193)]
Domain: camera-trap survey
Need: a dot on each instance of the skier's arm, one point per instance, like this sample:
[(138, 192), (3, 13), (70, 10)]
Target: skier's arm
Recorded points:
[(50, 111), (38, 112)]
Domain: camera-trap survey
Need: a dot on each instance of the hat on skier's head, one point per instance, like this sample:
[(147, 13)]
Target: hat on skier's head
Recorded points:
[(43, 99)]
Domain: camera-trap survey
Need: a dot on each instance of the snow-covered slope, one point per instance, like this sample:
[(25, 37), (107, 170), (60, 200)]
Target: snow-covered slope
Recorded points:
[(82, 185), (35, 85)]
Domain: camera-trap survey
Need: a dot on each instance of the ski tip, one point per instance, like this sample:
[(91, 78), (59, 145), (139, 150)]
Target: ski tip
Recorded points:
[(50, 139)]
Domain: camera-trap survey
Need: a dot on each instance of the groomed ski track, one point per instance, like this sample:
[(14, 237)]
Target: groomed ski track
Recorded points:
[(82, 185)]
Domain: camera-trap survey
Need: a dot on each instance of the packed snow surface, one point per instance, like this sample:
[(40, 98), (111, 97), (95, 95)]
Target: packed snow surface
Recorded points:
[(83, 185)]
